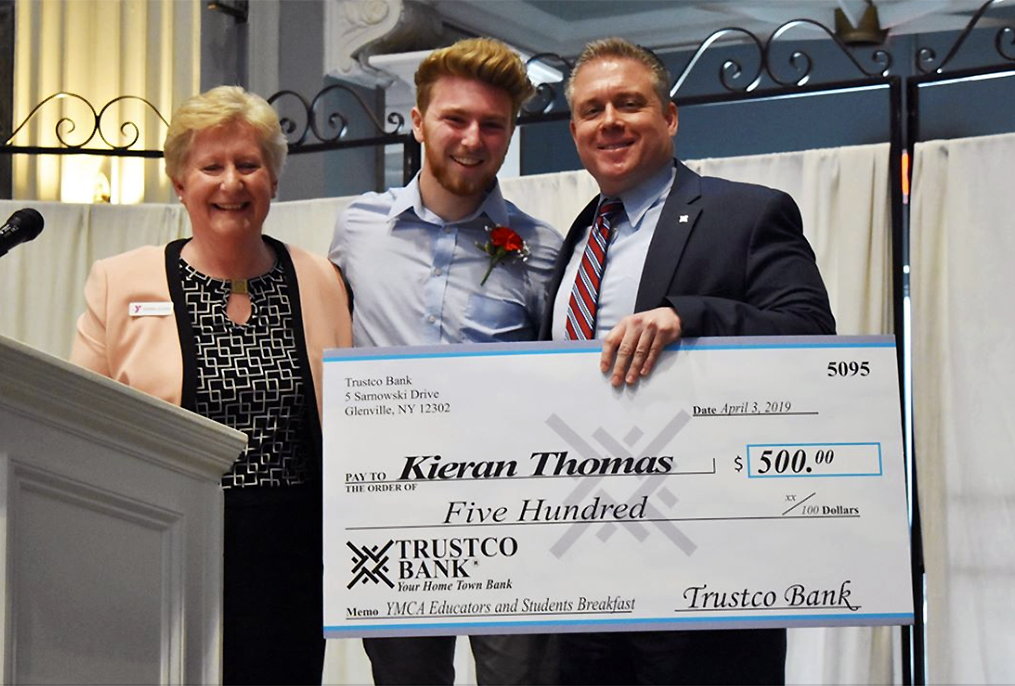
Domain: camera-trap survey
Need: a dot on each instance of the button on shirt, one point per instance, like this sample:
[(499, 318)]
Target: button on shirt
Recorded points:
[(625, 259), (416, 278)]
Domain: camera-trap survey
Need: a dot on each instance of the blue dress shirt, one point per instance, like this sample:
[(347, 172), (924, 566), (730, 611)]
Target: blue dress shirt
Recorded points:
[(625, 259), (416, 278)]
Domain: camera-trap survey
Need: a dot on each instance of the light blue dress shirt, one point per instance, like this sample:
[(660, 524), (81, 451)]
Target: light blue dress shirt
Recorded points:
[(625, 258), (416, 278)]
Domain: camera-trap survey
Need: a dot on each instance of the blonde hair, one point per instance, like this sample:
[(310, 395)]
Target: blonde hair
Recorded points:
[(622, 49), (484, 59), (222, 106)]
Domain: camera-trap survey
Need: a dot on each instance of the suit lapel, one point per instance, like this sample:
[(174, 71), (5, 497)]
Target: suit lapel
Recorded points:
[(677, 220)]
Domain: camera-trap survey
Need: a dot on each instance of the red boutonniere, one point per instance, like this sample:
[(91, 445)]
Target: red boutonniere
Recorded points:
[(504, 244)]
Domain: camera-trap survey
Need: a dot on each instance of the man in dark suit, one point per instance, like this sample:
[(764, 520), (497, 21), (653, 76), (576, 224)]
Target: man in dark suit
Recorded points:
[(661, 254)]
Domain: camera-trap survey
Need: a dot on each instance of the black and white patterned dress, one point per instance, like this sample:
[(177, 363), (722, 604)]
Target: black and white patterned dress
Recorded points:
[(248, 377)]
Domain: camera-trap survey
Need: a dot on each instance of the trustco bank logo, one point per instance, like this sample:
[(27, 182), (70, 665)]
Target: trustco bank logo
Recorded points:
[(370, 564)]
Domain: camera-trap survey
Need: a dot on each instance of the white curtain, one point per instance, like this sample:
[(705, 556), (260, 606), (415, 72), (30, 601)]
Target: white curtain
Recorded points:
[(962, 254), (99, 50), (41, 282), (843, 196), (555, 198)]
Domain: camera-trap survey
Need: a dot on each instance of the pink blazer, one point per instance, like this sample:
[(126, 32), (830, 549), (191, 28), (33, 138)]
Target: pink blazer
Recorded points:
[(144, 351)]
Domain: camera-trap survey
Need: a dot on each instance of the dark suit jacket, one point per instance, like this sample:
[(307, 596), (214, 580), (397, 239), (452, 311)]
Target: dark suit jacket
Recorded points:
[(730, 258)]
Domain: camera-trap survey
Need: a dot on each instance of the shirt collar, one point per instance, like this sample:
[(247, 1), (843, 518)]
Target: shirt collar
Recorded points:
[(640, 199), (408, 198)]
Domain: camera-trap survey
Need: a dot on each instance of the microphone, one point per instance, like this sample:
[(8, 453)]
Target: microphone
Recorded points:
[(23, 226)]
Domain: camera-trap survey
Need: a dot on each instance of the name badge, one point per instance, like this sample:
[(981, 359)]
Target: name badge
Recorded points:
[(151, 309)]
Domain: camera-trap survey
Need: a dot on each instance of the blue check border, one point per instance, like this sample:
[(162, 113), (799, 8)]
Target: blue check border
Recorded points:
[(587, 347)]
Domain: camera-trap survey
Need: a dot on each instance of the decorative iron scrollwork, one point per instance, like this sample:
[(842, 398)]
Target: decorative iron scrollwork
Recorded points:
[(335, 126), (319, 125), (1009, 33), (733, 75), (65, 126), (731, 72), (288, 125), (803, 64), (127, 126), (926, 57)]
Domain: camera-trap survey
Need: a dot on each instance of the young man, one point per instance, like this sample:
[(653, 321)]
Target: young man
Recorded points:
[(416, 260), (674, 254)]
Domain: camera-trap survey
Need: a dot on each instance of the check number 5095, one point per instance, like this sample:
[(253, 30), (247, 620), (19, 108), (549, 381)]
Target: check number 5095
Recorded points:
[(850, 368)]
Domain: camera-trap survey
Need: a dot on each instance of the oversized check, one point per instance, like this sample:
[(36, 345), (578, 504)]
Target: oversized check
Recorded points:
[(747, 482)]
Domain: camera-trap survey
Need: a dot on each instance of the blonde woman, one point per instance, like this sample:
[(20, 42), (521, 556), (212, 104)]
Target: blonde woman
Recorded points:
[(232, 324)]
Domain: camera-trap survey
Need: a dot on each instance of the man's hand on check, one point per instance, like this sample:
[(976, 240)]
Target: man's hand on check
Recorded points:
[(633, 345)]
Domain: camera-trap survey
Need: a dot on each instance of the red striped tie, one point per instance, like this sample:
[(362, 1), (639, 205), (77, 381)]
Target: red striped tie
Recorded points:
[(581, 309)]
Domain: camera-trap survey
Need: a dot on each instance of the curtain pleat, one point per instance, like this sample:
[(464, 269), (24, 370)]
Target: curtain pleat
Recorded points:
[(100, 50), (962, 249)]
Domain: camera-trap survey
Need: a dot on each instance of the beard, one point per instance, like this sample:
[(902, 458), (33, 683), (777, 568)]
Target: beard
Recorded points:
[(442, 170)]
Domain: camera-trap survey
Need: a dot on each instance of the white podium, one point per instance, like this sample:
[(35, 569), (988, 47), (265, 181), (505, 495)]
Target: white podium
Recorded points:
[(111, 534)]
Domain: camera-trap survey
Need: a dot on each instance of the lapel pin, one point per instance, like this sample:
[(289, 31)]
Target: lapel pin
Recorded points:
[(683, 219)]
